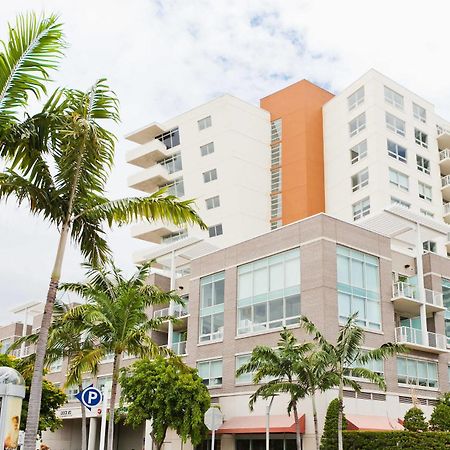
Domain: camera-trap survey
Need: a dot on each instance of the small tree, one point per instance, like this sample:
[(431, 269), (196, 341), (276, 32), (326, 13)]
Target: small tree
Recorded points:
[(168, 393), (440, 418), (329, 439), (415, 420)]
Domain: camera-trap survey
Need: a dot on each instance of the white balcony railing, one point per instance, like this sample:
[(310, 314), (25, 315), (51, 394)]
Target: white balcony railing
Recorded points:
[(404, 290), (444, 154), (178, 311), (445, 181), (434, 298), (407, 335), (447, 208), (179, 348)]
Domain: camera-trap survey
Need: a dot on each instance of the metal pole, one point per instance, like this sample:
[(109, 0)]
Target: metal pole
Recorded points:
[(268, 407), (171, 304), (103, 424), (213, 439)]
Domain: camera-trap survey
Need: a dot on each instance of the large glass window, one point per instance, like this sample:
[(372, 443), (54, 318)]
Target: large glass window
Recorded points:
[(210, 175), (275, 206), (356, 99), (207, 149), (358, 287), (212, 202), (400, 202), (419, 113), (421, 138), (170, 138), (395, 124), (176, 187), (360, 179), (393, 98), (215, 230), (275, 154), (374, 366), (172, 163), (275, 180), (276, 130), (417, 372), (211, 307), (361, 208), (398, 179), (269, 293), (105, 383), (257, 442), (211, 372), (446, 299), (358, 124), (396, 151), (358, 152), (204, 123), (423, 164), (425, 192)]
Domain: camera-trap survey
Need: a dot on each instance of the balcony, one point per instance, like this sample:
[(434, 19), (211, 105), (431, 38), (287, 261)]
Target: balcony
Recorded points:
[(445, 188), (414, 339), (148, 180), (148, 154), (444, 161), (180, 312), (406, 299), (179, 348), (446, 212), (153, 231), (443, 138)]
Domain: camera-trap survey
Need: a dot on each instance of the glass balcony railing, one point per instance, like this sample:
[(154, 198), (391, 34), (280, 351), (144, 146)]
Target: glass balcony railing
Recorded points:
[(407, 335), (178, 311)]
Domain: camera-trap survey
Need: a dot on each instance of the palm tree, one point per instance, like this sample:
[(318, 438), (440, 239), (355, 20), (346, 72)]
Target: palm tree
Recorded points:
[(115, 317), (66, 339), (60, 161), (348, 353), (280, 366), (34, 48)]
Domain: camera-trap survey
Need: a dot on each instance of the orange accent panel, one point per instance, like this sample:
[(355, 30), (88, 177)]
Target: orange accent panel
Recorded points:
[(302, 175)]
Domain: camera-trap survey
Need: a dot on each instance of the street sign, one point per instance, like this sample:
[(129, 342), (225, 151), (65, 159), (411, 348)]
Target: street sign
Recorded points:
[(213, 418), (89, 397)]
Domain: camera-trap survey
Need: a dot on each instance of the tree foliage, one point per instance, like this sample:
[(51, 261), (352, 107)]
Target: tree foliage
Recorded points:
[(52, 396), (329, 439), (170, 394), (415, 420), (440, 417)]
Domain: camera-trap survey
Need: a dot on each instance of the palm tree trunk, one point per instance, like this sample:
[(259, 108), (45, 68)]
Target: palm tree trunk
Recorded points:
[(316, 424), (298, 437), (115, 381), (34, 406), (83, 424), (340, 416)]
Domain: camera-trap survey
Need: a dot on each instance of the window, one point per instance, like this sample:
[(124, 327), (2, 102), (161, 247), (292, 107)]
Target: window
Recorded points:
[(176, 187), (4, 345), (170, 138), (358, 152), (446, 300), (374, 366), (55, 366), (240, 361), (207, 149), (204, 123), (210, 175), (105, 384), (275, 224), (395, 124), (172, 163), (396, 151), (417, 372), (276, 130), (358, 287), (419, 113), (421, 138), (397, 201), (425, 192), (357, 124), (423, 164), (211, 372), (398, 179), (429, 246), (213, 202), (361, 208), (215, 230), (393, 98), (174, 237), (360, 180), (275, 206), (256, 442), (275, 154), (269, 293), (356, 99), (211, 307), (72, 391), (426, 213), (275, 180)]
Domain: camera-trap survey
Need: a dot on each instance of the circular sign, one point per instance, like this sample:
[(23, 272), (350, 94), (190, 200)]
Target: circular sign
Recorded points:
[(213, 418), (90, 397)]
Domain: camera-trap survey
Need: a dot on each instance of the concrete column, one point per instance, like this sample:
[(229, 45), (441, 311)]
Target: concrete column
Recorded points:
[(421, 286), (148, 441), (92, 433)]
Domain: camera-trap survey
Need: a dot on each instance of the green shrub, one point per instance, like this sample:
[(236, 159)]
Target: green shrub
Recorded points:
[(415, 420), (330, 430), (395, 440), (440, 418)]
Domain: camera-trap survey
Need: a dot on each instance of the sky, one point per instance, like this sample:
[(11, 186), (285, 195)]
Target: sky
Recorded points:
[(163, 57)]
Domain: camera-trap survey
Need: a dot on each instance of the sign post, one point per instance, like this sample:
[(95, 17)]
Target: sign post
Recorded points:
[(213, 419)]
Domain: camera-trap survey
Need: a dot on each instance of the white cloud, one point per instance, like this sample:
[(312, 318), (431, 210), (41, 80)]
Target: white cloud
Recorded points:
[(164, 57)]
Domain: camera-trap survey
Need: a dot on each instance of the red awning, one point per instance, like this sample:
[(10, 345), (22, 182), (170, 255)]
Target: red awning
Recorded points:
[(257, 424), (372, 423)]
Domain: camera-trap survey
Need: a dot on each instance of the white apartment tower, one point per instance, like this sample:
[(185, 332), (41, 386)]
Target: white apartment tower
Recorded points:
[(216, 154)]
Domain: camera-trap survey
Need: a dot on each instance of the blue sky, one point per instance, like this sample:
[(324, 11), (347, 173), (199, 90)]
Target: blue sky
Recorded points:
[(166, 56)]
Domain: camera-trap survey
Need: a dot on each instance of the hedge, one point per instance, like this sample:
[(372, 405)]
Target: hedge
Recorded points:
[(395, 440)]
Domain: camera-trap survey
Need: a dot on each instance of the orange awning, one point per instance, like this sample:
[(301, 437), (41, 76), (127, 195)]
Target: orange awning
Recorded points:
[(372, 423), (257, 424)]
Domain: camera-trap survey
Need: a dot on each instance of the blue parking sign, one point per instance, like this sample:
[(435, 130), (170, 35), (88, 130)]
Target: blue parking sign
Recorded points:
[(89, 397)]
